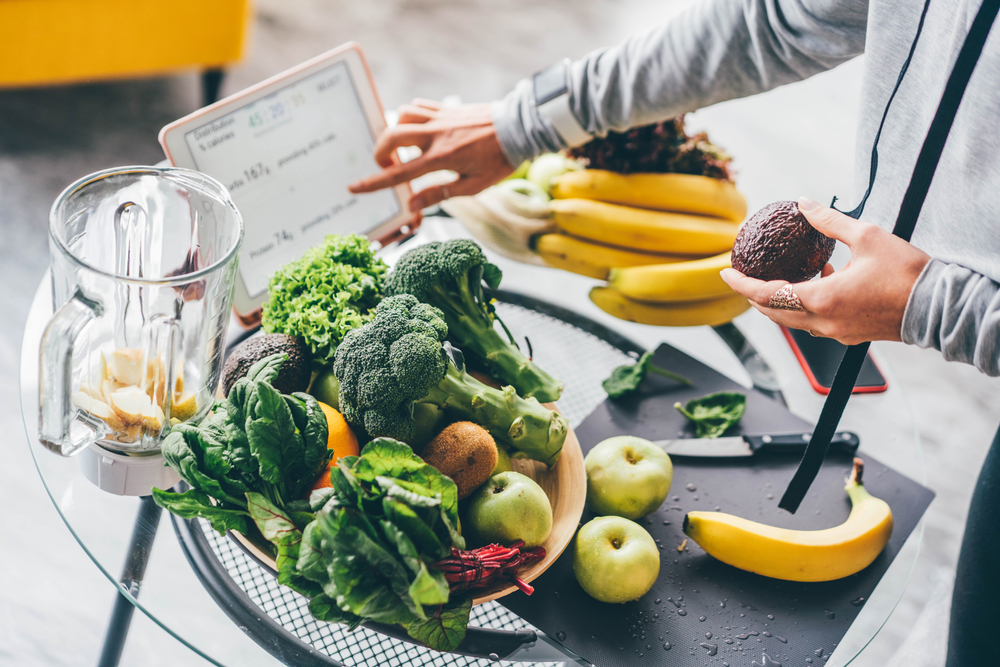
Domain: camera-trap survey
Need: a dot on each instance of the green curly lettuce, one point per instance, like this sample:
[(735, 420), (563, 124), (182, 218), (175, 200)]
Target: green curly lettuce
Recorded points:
[(332, 289)]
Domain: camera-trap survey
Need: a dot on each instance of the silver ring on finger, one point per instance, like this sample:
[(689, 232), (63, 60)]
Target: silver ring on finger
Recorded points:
[(785, 299), (810, 332)]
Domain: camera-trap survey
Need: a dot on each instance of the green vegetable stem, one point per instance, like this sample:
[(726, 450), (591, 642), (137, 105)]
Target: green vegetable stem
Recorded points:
[(330, 290), (398, 359), (713, 414), (450, 277), (626, 379)]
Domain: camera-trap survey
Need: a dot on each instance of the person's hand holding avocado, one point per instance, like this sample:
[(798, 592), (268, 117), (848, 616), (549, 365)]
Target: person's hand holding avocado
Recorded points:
[(864, 301), (461, 139)]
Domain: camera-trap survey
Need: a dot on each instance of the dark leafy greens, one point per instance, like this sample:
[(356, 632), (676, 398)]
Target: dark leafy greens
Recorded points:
[(713, 414), (371, 549), (626, 379), (256, 441)]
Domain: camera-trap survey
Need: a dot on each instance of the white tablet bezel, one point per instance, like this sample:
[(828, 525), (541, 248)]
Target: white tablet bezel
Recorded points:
[(177, 151)]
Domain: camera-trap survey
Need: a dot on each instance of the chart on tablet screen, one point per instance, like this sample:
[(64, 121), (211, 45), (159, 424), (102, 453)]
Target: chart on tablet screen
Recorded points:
[(287, 159)]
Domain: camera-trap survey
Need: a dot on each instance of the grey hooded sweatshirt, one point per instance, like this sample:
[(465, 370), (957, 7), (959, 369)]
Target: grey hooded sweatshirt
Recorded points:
[(725, 49)]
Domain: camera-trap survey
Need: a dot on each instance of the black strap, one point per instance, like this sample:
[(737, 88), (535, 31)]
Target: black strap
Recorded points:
[(909, 211)]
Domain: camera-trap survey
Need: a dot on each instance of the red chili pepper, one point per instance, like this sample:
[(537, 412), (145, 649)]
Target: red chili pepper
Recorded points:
[(482, 567)]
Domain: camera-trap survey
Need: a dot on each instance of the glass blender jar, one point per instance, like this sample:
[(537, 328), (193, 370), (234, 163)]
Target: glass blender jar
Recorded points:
[(143, 265)]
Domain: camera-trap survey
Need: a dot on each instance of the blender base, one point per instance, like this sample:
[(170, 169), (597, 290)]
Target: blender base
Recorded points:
[(125, 475)]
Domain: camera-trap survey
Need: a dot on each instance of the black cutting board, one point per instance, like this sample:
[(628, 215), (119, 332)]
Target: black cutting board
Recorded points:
[(696, 594)]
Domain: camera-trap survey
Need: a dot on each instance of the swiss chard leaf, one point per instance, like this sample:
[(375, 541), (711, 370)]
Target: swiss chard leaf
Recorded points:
[(274, 524), (387, 457), (415, 528), (712, 415), (429, 587), (193, 503), (311, 563), (444, 628), (325, 608)]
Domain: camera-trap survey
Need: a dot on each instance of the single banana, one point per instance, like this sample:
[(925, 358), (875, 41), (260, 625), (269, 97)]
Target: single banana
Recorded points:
[(643, 230), (693, 280), (686, 314), (683, 193), (799, 555), (592, 259)]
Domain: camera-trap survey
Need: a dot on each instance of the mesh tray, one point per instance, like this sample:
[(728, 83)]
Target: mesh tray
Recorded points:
[(573, 348)]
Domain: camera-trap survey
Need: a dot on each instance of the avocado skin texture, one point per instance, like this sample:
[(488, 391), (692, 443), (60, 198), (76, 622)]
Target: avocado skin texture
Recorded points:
[(294, 374), (778, 243)]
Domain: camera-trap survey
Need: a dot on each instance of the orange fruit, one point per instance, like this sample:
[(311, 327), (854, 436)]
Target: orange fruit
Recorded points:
[(341, 440)]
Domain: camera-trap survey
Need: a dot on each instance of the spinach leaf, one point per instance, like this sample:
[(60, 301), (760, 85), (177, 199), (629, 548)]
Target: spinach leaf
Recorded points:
[(429, 587), (193, 503), (625, 380), (715, 413), (316, 434), (443, 630), (279, 529), (274, 440), (181, 449), (267, 369), (319, 498)]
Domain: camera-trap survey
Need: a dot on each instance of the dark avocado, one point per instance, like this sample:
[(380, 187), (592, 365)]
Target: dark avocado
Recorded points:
[(778, 243), (294, 374)]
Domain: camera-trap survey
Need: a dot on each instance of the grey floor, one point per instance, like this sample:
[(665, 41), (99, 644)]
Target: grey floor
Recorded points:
[(54, 602)]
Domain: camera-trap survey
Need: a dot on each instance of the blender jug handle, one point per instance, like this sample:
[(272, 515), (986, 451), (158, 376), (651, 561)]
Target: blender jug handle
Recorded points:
[(55, 377)]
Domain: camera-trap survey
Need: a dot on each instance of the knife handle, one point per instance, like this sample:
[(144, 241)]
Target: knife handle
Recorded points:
[(795, 443)]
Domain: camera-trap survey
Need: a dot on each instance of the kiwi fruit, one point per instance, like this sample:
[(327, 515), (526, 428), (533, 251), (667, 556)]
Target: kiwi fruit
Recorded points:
[(778, 243), (465, 452)]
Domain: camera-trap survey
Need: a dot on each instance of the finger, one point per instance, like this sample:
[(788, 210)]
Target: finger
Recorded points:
[(788, 318), (393, 175), (426, 104), (831, 222), (827, 270), (401, 135), (414, 114), (435, 194), (758, 291)]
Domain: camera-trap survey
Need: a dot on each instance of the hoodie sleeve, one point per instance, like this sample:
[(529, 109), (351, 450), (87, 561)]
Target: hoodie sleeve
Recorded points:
[(714, 51)]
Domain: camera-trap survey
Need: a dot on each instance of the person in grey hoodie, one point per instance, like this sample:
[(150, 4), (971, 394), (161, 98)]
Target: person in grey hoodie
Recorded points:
[(940, 290)]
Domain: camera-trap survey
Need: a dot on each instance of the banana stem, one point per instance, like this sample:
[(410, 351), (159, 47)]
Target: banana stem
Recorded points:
[(857, 472)]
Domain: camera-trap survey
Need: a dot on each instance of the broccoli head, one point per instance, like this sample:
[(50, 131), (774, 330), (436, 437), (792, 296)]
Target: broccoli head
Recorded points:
[(398, 360), (450, 276)]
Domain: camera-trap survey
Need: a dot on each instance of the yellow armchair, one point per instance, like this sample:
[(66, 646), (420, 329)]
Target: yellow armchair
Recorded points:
[(45, 42)]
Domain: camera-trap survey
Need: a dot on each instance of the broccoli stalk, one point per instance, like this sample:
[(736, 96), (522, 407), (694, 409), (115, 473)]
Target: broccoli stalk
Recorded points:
[(398, 360), (450, 276)]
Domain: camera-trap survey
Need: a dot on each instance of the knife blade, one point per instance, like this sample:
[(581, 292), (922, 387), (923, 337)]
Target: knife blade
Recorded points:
[(748, 445), (763, 376)]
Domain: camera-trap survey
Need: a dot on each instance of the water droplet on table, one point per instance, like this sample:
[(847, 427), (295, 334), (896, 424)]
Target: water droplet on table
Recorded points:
[(701, 618), (666, 523), (818, 652), (648, 647), (708, 635), (767, 634), (681, 612), (677, 499), (830, 614), (722, 603), (743, 637), (728, 640), (656, 601), (809, 661), (667, 645), (770, 496), (494, 657), (561, 636), (691, 487), (781, 639), (711, 648), (857, 602), (771, 616)]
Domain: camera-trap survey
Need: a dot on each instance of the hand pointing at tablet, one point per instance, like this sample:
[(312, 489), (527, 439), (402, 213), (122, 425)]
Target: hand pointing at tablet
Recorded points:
[(461, 139)]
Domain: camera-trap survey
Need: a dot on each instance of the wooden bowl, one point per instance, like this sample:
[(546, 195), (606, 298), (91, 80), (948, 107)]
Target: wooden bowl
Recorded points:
[(565, 485)]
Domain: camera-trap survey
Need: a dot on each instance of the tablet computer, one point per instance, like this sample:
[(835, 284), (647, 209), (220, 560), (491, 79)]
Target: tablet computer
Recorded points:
[(286, 149)]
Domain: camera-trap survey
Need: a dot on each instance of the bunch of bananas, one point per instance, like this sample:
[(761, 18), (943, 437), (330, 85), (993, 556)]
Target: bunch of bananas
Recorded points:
[(660, 241)]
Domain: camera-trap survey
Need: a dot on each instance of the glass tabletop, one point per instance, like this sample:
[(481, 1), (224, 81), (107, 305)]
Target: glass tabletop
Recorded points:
[(172, 596)]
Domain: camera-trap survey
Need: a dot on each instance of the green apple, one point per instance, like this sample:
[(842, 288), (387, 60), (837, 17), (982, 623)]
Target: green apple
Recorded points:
[(326, 389), (503, 461), (627, 476), (507, 508), (615, 560)]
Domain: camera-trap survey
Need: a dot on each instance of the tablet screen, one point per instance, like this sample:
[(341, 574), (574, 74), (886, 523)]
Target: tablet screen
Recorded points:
[(287, 159)]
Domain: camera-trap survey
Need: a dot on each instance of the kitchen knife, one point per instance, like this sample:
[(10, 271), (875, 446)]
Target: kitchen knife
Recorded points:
[(763, 377), (748, 445)]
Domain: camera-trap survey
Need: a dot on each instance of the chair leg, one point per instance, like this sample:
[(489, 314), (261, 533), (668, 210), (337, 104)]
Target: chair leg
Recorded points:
[(211, 83)]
